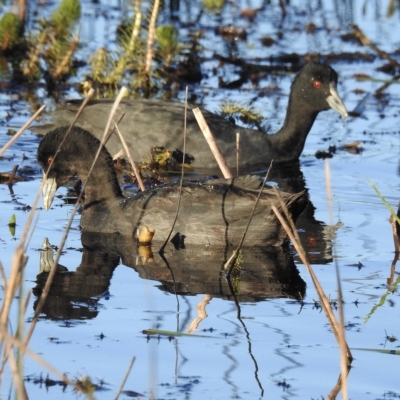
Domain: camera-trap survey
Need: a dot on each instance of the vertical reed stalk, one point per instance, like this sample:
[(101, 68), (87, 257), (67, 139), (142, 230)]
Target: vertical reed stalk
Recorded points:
[(136, 25), (341, 332), (152, 36)]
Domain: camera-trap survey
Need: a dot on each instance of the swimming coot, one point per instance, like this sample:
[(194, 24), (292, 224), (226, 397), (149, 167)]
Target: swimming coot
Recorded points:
[(149, 123), (212, 212)]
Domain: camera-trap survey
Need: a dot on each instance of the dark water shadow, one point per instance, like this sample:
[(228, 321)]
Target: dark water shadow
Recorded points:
[(263, 273)]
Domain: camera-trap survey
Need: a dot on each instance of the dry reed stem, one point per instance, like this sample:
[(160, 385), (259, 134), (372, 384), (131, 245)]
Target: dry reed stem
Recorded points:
[(136, 25), (128, 371), (212, 143), (78, 113), (394, 224), (381, 89), (18, 380), (390, 280), (15, 276), (152, 36), (21, 131), (53, 269), (231, 262), (109, 134), (336, 389), (120, 154), (366, 42), (161, 251), (3, 277), (34, 356), (395, 229), (201, 313), (128, 153), (12, 285), (114, 108), (341, 333), (287, 215), (328, 189), (326, 306), (19, 260), (46, 289), (237, 152), (12, 176)]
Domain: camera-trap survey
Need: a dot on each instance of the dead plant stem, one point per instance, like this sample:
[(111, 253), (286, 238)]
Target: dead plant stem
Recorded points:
[(152, 36), (53, 269), (132, 162), (226, 172), (323, 299), (128, 371), (341, 332), (21, 131), (366, 42), (231, 262), (161, 251)]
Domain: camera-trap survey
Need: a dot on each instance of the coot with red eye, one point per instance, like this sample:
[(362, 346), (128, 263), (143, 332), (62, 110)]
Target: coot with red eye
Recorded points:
[(149, 123), (213, 212)]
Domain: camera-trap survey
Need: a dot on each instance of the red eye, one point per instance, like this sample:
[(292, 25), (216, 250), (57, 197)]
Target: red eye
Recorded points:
[(50, 160), (317, 84)]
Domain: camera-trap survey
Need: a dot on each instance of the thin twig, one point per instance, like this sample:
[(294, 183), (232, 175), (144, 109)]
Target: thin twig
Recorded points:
[(128, 371), (161, 251), (341, 333), (12, 176), (3, 277), (201, 313), (23, 347), (226, 172), (53, 269), (390, 280), (152, 36), (127, 152), (120, 96), (231, 262), (237, 152), (294, 237), (78, 113), (19, 381), (21, 131), (366, 42), (382, 88), (395, 225), (108, 136)]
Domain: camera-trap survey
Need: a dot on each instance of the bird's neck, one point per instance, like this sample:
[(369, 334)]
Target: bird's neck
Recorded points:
[(294, 131), (102, 184)]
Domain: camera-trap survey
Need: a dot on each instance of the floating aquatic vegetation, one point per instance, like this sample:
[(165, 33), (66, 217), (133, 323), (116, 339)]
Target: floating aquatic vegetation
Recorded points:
[(248, 115), (213, 5)]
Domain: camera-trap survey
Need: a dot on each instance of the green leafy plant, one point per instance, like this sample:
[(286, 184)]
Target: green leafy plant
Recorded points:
[(214, 5), (12, 224), (9, 31), (167, 41), (54, 43)]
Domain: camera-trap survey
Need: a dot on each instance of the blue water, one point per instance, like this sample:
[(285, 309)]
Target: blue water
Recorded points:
[(277, 347)]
